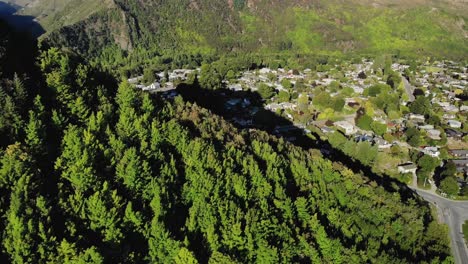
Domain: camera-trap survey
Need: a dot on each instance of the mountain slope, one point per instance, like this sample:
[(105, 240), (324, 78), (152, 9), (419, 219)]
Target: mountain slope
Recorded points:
[(205, 26), (54, 14)]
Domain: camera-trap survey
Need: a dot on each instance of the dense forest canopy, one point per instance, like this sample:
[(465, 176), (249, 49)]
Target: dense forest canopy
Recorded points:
[(93, 171)]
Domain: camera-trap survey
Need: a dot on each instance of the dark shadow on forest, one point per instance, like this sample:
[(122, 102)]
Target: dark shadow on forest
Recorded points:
[(216, 101), (8, 12)]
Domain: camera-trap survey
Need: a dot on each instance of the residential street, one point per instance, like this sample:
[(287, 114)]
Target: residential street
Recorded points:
[(454, 214), (409, 89)]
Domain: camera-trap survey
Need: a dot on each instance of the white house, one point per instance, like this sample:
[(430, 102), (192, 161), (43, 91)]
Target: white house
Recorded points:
[(347, 127), (431, 151), (407, 168), (235, 87), (417, 118), (434, 134), (426, 127), (152, 87), (454, 124), (264, 71), (449, 116)]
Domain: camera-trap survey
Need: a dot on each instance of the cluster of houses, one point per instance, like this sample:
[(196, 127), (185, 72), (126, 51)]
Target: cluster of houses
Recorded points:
[(439, 81), (440, 86), (165, 81)]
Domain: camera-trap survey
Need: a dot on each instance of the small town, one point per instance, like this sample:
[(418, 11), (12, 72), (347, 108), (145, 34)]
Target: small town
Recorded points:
[(409, 126)]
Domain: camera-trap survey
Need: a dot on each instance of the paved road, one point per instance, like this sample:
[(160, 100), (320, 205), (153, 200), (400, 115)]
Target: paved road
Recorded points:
[(409, 89), (454, 214)]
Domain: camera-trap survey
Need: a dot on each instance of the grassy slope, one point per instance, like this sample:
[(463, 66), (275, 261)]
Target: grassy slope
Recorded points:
[(54, 14)]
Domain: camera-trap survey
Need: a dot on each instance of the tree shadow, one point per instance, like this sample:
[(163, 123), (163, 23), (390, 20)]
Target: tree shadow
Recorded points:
[(245, 110), (8, 12)]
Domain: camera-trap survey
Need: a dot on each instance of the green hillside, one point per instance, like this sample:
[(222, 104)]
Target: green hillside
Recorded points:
[(429, 28), (54, 14)]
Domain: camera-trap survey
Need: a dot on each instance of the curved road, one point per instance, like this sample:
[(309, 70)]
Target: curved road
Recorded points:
[(454, 214)]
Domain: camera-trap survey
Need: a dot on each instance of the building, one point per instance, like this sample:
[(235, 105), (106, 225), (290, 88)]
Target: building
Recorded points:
[(426, 127), (152, 87), (417, 118), (449, 116), (454, 124), (382, 143), (264, 71), (459, 153), (462, 165), (407, 168), (232, 103), (327, 130), (454, 134), (434, 134), (431, 151), (135, 80), (347, 127), (235, 87)]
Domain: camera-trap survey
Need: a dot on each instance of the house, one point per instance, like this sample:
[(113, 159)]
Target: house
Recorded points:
[(382, 143), (452, 133), (434, 134), (407, 168), (135, 80), (464, 108), (264, 71), (170, 85), (454, 124), (273, 107), (287, 105), (450, 108), (416, 118), (462, 165), (152, 87), (426, 127), (235, 87), (449, 116), (431, 151), (357, 89), (232, 103), (362, 138), (327, 130), (459, 153), (347, 127)]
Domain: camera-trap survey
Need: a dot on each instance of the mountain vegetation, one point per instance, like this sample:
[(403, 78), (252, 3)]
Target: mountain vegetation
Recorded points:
[(93, 171), (121, 32)]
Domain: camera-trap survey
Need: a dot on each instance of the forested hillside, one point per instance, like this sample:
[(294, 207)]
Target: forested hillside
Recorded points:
[(146, 28), (95, 172)]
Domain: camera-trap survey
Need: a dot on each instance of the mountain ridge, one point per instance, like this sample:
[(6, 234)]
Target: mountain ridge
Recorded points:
[(418, 28)]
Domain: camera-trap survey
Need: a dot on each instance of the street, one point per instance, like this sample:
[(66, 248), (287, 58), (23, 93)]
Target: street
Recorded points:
[(454, 214)]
